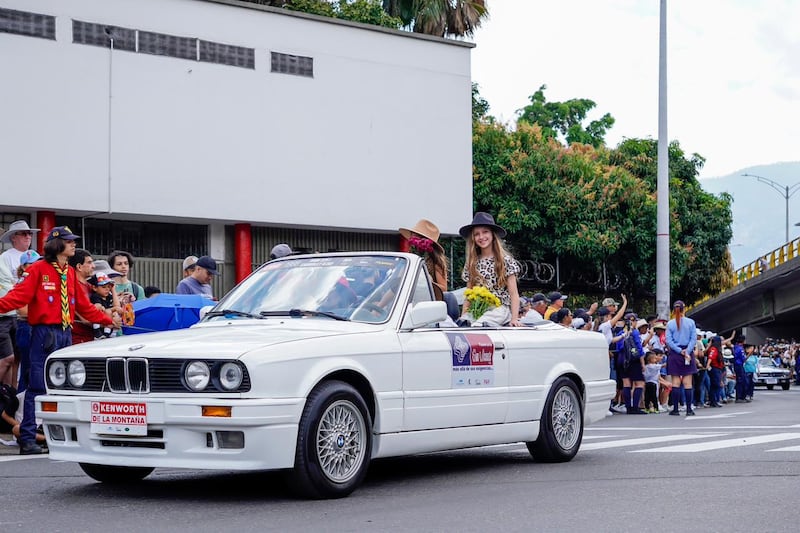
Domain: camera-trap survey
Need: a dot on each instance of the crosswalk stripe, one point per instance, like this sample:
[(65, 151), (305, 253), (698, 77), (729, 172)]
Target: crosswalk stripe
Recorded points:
[(786, 449), (645, 440), (727, 443)]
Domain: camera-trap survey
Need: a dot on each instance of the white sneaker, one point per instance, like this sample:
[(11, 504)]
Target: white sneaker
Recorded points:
[(610, 412), (619, 408), (663, 408)]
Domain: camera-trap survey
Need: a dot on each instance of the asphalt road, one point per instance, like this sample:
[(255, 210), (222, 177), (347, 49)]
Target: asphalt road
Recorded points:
[(731, 469)]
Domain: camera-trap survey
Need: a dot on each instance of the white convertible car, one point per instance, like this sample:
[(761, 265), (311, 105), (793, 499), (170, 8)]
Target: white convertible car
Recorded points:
[(316, 365)]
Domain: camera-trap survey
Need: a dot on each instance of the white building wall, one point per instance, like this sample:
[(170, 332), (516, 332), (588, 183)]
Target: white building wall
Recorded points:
[(380, 137)]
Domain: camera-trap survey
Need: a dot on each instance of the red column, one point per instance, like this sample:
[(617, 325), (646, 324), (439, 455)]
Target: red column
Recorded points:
[(243, 250), (45, 221)]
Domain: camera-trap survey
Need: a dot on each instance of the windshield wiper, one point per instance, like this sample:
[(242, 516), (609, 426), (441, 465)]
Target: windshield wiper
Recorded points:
[(232, 312), (296, 313)]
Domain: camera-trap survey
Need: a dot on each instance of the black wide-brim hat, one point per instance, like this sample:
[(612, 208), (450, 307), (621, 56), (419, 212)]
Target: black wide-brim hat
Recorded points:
[(482, 219)]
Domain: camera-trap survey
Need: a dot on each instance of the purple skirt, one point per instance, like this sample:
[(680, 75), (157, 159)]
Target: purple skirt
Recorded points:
[(676, 365)]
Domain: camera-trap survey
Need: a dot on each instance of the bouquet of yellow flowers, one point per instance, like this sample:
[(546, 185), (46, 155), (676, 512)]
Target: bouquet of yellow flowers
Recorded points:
[(480, 300)]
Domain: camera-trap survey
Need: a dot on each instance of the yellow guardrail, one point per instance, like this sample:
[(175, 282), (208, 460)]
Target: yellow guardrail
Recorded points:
[(758, 266)]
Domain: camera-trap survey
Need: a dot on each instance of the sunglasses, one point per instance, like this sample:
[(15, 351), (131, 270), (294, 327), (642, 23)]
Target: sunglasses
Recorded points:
[(24, 234)]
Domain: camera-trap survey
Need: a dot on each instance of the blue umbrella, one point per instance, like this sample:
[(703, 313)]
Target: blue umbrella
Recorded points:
[(164, 311)]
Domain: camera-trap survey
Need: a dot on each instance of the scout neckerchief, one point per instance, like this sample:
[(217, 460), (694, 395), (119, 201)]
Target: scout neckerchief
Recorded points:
[(65, 318)]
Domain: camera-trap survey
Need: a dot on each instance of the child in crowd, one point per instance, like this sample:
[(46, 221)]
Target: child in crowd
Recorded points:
[(489, 265), (652, 371), (12, 404), (105, 299)]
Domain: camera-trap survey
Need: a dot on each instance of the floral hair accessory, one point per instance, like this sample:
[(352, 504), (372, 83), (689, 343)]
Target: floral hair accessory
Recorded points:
[(480, 300), (420, 245)]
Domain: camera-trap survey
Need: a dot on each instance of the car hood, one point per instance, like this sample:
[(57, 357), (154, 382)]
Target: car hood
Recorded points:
[(222, 338)]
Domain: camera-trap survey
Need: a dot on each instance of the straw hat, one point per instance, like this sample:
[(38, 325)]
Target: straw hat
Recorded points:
[(425, 228)]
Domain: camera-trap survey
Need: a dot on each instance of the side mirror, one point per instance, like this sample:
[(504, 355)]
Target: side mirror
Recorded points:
[(427, 313)]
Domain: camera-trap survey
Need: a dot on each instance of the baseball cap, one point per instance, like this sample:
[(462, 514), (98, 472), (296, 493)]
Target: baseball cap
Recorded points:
[(189, 262), (99, 279), (280, 250), (679, 303), (29, 257), (610, 301), (209, 264), (61, 232), (578, 323), (555, 295), (538, 297), (641, 322), (603, 311)]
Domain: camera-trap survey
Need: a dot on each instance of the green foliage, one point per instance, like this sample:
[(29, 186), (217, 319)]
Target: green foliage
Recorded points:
[(364, 11), (592, 207), (480, 107), (439, 17), (566, 119)]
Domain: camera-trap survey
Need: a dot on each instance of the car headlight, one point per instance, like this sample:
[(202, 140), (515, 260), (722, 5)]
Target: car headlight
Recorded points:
[(76, 373), (57, 373), (197, 375), (230, 376)]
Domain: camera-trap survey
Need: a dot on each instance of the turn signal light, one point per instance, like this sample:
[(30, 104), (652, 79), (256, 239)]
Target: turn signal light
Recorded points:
[(50, 407), (216, 410)]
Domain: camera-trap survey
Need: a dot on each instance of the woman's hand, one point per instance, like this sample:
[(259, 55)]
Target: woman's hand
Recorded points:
[(515, 322)]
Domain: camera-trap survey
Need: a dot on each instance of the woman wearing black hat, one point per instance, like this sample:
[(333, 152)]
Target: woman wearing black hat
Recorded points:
[(489, 265)]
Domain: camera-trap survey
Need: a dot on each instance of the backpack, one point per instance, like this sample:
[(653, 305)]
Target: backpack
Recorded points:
[(629, 351), (7, 392)]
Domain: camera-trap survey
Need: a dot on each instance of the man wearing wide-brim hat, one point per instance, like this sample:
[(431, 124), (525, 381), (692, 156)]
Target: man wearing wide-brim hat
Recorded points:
[(20, 237)]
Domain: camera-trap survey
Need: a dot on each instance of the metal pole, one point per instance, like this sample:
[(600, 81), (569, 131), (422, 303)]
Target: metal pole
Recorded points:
[(787, 214), (784, 190), (662, 206)]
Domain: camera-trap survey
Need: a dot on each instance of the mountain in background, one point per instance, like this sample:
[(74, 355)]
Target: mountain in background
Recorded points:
[(759, 211)]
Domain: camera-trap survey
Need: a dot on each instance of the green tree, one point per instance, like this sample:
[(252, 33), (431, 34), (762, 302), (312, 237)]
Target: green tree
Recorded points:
[(566, 119), (480, 107), (364, 11), (595, 209), (439, 17)]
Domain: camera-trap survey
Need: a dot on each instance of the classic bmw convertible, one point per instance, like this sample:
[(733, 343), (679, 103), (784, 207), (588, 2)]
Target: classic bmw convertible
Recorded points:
[(315, 365)]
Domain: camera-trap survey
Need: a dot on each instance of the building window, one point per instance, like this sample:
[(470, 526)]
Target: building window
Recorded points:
[(102, 34), (289, 64), (226, 54), (161, 44), (30, 24)]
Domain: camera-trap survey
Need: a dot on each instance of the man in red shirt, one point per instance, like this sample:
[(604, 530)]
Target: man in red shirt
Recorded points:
[(83, 263), (51, 292)]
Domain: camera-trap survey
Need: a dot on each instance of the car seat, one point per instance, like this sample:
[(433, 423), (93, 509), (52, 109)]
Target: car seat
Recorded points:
[(453, 310)]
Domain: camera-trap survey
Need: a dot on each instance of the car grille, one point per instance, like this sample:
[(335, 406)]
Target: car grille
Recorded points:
[(771, 374), (140, 375)]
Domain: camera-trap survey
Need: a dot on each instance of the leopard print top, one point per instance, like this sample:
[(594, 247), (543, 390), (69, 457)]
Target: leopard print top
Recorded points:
[(485, 267)]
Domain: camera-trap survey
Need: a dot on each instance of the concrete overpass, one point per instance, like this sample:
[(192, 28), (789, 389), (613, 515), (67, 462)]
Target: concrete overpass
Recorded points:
[(765, 302)]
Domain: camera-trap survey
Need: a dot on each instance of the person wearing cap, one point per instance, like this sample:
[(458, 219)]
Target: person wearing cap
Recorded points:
[(716, 371), (556, 302), (423, 239), (739, 357), (188, 267), (489, 265), (49, 291), (681, 364), (199, 281), (280, 250), (105, 299), (606, 327), (633, 375), (20, 237), (83, 263), (538, 305)]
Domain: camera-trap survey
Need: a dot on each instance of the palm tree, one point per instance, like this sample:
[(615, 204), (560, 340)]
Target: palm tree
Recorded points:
[(439, 17)]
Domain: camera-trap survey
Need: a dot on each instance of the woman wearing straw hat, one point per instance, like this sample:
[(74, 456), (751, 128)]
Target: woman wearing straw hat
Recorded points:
[(423, 239), (489, 265)]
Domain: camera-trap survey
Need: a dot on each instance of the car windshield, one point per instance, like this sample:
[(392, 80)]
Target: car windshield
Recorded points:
[(766, 361), (359, 288)]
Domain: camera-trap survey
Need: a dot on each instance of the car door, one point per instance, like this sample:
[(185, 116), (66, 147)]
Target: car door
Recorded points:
[(452, 377)]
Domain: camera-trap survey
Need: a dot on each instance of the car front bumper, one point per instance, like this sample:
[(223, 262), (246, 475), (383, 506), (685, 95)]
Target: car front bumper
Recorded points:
[(259, 434)]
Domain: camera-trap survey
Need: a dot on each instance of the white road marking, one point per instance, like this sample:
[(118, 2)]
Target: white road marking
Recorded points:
[(720, 444), (9, 458), (645, 440), (786, 449)]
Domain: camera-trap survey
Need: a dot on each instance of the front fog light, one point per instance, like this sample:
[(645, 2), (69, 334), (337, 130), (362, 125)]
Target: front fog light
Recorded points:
[(56, 432), (57, 373), (230, 440)]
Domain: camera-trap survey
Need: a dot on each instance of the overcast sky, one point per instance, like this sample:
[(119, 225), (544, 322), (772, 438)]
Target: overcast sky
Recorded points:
[(733, 70)]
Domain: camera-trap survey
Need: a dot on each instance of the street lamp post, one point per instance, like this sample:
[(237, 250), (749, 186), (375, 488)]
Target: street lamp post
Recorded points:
[(784, 190)]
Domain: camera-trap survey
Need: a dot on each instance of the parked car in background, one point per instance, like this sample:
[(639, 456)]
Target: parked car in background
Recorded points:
[(769, 374), (317, 364)]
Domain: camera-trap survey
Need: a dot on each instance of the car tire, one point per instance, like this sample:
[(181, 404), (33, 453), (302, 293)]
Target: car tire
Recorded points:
[(785, 386), (561, 426), (334, 443), (117, 475), (770, 387)]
